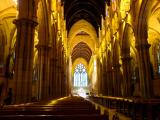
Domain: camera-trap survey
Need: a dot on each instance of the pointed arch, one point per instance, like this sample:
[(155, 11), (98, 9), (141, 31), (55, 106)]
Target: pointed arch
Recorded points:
[(82, 25)]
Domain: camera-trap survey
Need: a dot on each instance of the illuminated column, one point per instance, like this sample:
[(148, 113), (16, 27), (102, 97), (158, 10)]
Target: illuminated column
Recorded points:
[(126, 64), (70, 75), (145, 70), (43, 59), (24, 59), (24, 51)]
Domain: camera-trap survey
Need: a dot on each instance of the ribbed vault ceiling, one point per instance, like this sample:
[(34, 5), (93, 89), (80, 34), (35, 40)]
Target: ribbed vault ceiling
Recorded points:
[(81, 50), (90, 10)]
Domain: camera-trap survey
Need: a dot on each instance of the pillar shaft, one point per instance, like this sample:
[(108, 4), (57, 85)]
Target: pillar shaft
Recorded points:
[(155, 67), (126, 65), (58, 81), (144, 70), (117, 80), (99, 72), (24, 60), (53, 77), (110, 83), (43, 57)]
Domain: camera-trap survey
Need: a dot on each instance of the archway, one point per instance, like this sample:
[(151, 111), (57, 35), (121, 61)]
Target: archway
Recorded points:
[(82, 43)]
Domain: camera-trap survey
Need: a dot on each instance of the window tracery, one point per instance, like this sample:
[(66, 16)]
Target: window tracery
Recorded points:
[(80, 76)]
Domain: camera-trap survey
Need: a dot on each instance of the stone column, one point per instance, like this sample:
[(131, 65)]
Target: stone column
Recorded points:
[(59, 80), (63, 75), (146, 87), (99, 73), (69, 77), (62, 82), (67, 74), (109, 71), (56, 78), (24, 60), (126, 65), (58, 73), (43, 59), (51, 80), (155, 67), (110, 83), (116, 80), (104, 81), (53, 77)]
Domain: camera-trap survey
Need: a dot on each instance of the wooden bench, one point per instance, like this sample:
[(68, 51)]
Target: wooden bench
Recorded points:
[(68, 109)]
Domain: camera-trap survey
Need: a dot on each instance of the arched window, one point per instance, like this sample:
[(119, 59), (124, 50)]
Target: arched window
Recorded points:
[(80, 76)]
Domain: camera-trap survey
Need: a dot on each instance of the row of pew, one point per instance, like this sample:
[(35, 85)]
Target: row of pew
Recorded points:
[(68, 108)]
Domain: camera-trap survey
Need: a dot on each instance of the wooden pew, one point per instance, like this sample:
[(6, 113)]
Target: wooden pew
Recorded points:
[(68, 109)]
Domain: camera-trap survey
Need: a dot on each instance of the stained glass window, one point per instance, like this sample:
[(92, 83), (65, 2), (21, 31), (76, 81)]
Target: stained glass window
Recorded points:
[(80, 76)]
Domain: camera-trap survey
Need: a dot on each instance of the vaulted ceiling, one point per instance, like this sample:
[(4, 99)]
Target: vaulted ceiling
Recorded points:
[(81, 50), (90, 10)]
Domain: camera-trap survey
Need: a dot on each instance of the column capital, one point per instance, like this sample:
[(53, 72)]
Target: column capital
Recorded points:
[(143, 46), (25, 21)]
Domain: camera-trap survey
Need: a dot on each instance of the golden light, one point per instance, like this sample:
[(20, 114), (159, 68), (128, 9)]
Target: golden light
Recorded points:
[(15, 1), (124, 8), (56, 101), (114, 5), (94, 75), (82, 92)]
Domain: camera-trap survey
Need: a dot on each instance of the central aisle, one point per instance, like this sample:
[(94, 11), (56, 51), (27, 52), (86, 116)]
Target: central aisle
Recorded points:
[(67, 108)]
